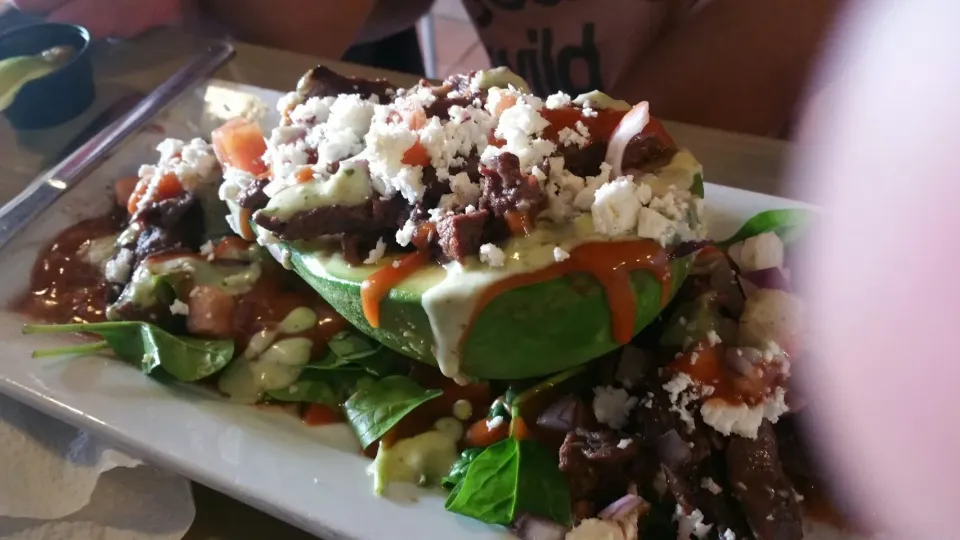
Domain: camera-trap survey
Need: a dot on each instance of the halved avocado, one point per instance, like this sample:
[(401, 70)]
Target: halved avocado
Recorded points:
[(525, 332)]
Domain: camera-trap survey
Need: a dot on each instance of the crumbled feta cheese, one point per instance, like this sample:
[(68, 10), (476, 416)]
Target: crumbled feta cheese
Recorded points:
[(589, 113), (539, 175), (376, 253), (406, 233), (495, 422), (693, 358), (758, 252), (520, 128), (624, 443), (741, 419), (569, 137), (288, 101), (558, 101), (315, 110), (690, 524), (615, 207), (491, 255), (651, 224), (729, 535), (118, 268), (559, 254), (179, 308), (467, 193), (711, 486), (713, 338), (386, 145), (612, 405)]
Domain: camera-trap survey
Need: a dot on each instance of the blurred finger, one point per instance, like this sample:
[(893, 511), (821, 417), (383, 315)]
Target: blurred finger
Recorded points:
[(37, 6)]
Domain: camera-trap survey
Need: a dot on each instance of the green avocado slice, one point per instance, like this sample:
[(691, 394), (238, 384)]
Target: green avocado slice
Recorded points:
[(525, 332)]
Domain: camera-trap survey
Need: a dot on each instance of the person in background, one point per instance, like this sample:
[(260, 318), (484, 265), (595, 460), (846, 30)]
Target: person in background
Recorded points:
[(739, 65)]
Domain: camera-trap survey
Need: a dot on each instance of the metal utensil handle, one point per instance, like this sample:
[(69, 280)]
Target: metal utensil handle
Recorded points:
[(47, 188)]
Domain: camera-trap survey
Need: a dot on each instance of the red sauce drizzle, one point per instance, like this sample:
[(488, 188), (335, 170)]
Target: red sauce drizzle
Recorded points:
[(63, 287), (378, 285), (520, 223), (710, 369)]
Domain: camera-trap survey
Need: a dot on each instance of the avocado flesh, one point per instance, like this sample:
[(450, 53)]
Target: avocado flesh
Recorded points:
[(526, 332)]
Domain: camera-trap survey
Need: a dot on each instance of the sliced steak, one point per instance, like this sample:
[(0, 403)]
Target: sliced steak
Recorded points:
[(461, 235), (646, 153), (323, 82), (595, 466), (166, 213), (441, 106), (323, 221), (764, 491), (252, 196), (506, 188), (584, 161)]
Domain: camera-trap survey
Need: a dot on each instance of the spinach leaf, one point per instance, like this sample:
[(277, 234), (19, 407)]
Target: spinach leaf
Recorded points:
[(374, 409), (329, 387), (147, 346), (459, 469), (788, 224), (352, 350), (510, 478), (697, 188)]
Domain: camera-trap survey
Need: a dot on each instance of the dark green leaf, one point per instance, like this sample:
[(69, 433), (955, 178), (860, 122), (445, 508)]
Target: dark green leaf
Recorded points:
[(788, 224), (149, 347), (352, 350), (329, 387), (510, 478), (697, 188), (374, 409), (459, 469)]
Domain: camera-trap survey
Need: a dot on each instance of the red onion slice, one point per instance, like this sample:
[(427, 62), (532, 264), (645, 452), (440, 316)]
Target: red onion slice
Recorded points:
[(531, 527), (631, 124), (768, 278), (622, 507)]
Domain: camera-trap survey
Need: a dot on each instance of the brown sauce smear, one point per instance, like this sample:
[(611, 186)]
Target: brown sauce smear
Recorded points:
[(63, 287)]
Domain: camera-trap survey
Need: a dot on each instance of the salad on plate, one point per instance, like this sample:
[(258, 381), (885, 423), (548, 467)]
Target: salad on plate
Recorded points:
[(510, 298)]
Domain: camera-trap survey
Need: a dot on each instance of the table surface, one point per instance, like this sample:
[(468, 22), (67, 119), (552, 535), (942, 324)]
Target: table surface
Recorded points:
[(136, 67)]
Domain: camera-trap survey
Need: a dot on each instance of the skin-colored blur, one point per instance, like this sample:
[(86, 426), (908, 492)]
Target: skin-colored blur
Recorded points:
[(882, 151)]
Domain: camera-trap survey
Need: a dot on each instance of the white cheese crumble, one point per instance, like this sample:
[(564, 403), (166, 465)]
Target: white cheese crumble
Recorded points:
[(683, 392), (558, 101), (741, 419), (406, 233), (559, 254), (729, 535), (713, 338), (615, 208), (624, 443), (492, 255), (690, 524), (376, 253), (495, 422), (179, 308), (653, 225), (758, 252), (118, 268), (612, 405), (579, 136), (708, 484)]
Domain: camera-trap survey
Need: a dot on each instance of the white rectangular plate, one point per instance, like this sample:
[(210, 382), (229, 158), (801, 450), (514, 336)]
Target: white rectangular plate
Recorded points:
[(313, 478)]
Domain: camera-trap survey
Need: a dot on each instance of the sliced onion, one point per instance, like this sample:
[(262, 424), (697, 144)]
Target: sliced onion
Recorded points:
[(631, 124), (672, 450), (531, 527), (566, 414), (622, 507)]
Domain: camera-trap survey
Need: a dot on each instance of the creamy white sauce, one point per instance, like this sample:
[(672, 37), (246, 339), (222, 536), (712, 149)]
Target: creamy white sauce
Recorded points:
[(349, 186), (598, 100), (423, 459), (499, 77)]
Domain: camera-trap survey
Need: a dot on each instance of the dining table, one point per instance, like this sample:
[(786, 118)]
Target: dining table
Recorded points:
[(127, 70)]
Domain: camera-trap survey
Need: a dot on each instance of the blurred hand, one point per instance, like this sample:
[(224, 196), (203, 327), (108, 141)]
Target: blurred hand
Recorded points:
[(107, 18)]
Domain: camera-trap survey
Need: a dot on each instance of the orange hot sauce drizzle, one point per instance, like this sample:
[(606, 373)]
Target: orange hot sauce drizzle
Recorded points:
[(609, 262), (378, 285), (519, 223)]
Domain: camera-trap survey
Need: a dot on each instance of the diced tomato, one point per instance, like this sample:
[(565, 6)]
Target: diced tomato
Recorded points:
[(229, 246), (654, 127), (240, 143), (519, 429), (316, 414), (138, 193), (124, 189), (600, 126), (506, 101), (246, 230), (416, 118), (480, 434), (492, 140), (416, 155)]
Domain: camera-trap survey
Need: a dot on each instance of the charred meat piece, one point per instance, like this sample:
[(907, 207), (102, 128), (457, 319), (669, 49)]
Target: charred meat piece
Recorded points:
[(252, 196), (167, 213), (461, 235), (326, 220), (584, 161), (595, 465), (764, 491), (505, 188), (441, 107), (323, 82), (647, 153)]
